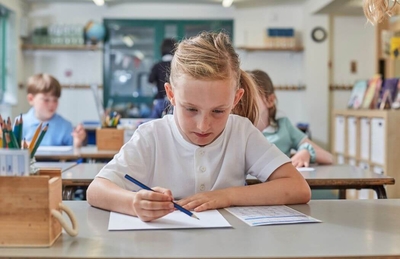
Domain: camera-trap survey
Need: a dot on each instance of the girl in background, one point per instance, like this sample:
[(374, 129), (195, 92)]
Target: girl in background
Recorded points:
[(281, 132)]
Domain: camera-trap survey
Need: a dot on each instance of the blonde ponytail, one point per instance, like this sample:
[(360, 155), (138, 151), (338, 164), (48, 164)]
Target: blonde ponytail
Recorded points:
[(247, 106)]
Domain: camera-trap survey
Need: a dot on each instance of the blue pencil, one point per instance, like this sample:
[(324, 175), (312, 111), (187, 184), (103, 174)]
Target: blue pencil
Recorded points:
[(143, 186)]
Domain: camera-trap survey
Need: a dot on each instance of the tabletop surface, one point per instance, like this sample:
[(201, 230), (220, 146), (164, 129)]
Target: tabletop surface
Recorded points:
[(342, 175), (329, 172), (63, 165), (76, 153), (359, 228), (83, 173)]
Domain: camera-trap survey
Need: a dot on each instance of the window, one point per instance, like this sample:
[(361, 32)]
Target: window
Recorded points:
[(8, 57), (3, 20), (131, 49)]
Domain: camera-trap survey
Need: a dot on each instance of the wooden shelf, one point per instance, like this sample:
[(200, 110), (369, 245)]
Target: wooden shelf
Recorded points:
[(60, 47), (335, 87), (79, 86), (289, 87), (246, 48), (73, 86)]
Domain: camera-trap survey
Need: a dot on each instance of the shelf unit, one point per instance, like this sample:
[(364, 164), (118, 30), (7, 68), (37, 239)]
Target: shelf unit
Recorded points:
[(60, 47), (368, 139), (294, 49)]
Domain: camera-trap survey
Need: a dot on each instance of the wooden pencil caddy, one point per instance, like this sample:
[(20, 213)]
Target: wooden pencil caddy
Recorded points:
[(30, 210), (109, 138)]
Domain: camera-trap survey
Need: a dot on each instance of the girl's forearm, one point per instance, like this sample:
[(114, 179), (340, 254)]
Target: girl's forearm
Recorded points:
[(104, 194), (276, 192)]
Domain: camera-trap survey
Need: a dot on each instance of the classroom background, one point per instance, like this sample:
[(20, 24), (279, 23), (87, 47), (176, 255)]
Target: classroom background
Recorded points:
[(312, 81)]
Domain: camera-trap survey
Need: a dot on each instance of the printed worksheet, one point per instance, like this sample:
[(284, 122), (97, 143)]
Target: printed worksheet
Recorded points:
[(269, 215), (174, 220)]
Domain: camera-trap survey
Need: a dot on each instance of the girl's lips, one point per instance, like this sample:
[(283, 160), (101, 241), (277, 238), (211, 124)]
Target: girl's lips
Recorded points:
[(202, 135)]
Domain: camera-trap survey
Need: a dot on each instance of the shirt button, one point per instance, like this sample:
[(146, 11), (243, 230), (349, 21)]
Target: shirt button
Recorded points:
[(202, 169), (202, 152), (202, 187)]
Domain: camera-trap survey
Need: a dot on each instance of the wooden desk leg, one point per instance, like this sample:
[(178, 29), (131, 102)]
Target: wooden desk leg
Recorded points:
[(380, 191), (342, 194)]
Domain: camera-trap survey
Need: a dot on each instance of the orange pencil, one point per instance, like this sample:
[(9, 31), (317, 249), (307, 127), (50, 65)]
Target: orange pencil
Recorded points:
[(39, 140), (34, 138)]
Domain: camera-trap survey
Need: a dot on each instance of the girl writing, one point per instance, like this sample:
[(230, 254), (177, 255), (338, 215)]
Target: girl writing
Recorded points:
[(200, 155)]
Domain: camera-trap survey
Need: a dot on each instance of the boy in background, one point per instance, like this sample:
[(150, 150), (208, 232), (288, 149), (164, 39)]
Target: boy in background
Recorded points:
[(43, 94), (159, 76)]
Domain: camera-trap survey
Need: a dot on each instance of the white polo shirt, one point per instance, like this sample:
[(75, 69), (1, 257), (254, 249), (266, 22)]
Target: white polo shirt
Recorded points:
[(158, 155)]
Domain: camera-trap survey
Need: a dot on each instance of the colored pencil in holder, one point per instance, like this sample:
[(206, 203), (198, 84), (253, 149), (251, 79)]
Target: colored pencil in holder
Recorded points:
[(21, 127), (39, 140), (35, 137)]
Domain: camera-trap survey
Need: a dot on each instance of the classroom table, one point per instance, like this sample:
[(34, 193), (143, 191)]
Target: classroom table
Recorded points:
[(62, 165), (91, 153), (342, 178), (349, 228)]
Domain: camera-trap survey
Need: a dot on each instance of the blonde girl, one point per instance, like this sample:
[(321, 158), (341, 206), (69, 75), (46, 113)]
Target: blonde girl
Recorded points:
[(200, 155)]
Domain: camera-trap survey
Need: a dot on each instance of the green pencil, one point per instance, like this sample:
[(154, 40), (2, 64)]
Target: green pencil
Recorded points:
[(37, 144), (21, 124)]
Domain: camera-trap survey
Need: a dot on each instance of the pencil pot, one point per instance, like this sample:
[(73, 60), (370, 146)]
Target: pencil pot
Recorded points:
[(109, 138), (30, 210)]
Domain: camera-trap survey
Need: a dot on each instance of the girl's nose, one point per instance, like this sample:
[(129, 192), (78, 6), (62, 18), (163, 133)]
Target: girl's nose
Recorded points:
[(203, 123)]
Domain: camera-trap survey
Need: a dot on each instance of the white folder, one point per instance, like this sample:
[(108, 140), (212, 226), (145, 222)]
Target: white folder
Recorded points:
[(378, 141), (352, 136), (339, 134), (364, 138)]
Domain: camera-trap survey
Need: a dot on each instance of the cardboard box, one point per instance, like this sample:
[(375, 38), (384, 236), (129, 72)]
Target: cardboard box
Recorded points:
[(109, 138), (26, 204)]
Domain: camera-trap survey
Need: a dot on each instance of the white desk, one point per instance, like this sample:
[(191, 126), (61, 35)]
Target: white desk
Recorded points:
[(343, 177), (62, 165), (340, 177), (87, 152), (350, 228)]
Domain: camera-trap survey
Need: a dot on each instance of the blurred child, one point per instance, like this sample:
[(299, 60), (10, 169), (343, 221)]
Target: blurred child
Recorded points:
[(159, 75), (281, 132), (43, 94), (201, 154)]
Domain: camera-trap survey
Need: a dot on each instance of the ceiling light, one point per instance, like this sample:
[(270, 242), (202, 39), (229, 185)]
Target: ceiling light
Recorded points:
[(99, 2), (227, 3)]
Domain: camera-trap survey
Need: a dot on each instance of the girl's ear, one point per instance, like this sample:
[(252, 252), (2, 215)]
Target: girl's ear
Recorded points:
[(30, 98), (238, 96), (170, 93), (270, 100)]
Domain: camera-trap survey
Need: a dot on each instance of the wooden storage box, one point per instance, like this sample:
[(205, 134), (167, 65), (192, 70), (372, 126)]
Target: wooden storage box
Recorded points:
[(25, 209), (109, 138)]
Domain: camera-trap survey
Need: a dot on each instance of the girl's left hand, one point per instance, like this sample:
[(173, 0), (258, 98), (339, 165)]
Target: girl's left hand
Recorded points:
[(301, 158), (206, 201)]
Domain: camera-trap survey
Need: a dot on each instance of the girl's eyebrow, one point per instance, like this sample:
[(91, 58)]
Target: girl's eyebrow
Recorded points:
[(223, 106)]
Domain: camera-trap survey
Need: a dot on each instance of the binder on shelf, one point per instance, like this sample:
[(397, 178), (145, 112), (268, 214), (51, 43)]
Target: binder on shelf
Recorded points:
[(339, 134), (364, 138), (352, 136), (378, 141)]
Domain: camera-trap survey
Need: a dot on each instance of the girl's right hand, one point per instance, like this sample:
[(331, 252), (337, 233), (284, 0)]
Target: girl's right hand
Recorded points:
[(150, 205)]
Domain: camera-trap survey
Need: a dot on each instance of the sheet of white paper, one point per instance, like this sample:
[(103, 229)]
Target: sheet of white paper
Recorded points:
[(305, 169), (269, 215), (54, 148), (174, 220)]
